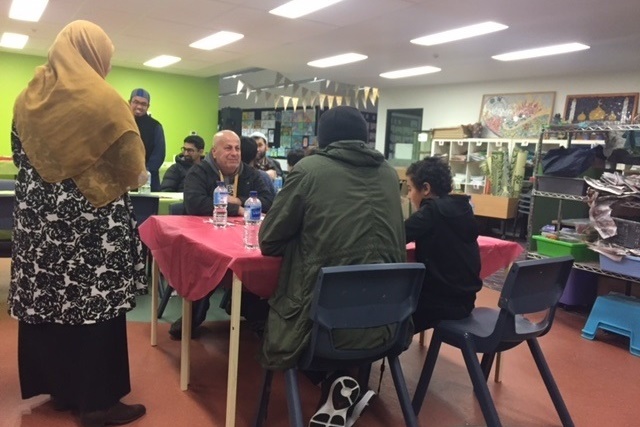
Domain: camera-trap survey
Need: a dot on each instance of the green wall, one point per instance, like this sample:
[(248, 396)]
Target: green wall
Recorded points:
[(182, 104)]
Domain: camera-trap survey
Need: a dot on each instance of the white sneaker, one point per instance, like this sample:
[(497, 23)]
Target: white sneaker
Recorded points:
[(343, 394), (359, 407)]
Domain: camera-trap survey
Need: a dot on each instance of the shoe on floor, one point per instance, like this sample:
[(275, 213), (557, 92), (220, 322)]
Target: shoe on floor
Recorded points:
[(175, 331), (359, 407), (118, 414), (343, 394)]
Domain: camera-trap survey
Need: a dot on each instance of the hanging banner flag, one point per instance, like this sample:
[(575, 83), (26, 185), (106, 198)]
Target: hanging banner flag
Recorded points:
[(365, 91), (239, 87), (312, 99), (285, 101), (304, 105), (321, 98), (296, 87), (279, 78), (355, 102), (267, 96), (327, 82), (294, 102), (248, 92), (287, 82), (277, 99), (338, 100), (336, 86), (374, 96), (258, 94), (347, 100), (330, 100)]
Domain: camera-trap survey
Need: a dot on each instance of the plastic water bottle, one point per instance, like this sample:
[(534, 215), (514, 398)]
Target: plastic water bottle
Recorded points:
[(277, 184), (252, 220), (220, 198), (146, 187)]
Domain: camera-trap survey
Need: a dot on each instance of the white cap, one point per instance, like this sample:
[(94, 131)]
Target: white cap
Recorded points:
[(259, 135)]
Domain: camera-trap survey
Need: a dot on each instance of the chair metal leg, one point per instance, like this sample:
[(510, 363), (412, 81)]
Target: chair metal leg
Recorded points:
[(550, 383), (403, 395), (166, 296), (427, 371), (293, 398), (480, 386), (364, 372), (263, 403), (486, 364)]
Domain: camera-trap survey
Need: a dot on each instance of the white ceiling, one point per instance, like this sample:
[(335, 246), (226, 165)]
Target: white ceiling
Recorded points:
[(381, 29)]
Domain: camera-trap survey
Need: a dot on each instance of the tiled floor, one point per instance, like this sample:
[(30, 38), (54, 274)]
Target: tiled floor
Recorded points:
[(599, 381)]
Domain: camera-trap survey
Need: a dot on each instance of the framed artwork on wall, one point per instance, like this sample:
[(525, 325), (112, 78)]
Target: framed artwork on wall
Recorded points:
[(603, 107), (516, 115)]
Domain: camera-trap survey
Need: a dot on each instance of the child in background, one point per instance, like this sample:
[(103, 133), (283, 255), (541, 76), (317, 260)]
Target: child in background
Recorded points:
[(445, 231)]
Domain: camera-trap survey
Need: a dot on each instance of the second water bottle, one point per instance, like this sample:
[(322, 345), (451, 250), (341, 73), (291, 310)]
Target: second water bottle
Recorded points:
[(252, 219)]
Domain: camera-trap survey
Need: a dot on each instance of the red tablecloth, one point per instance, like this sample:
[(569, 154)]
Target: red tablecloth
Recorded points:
[(194, 256)]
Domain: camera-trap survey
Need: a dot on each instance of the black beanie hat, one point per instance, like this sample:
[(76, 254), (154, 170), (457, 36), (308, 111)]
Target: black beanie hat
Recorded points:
[(340, 124)]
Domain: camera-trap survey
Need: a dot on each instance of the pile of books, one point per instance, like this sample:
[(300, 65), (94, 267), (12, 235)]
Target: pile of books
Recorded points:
[(458, 132)]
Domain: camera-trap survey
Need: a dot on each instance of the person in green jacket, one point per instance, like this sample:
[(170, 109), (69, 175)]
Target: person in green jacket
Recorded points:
[(340, 206)]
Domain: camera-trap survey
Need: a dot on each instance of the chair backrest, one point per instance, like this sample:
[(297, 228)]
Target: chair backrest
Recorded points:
[(177, 208), (532, 287), (7, 184), (359, 297), (144, 205), (6, 211)]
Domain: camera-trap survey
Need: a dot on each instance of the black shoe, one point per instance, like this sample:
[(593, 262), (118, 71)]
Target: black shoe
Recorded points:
[(343, 394), (175, 331), (118, 414)]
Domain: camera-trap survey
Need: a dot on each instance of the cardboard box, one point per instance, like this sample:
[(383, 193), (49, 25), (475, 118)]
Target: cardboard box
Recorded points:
[(494, 206)]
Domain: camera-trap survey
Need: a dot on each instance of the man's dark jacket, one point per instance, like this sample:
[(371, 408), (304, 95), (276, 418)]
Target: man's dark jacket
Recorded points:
[(173, 179), (202, 179)]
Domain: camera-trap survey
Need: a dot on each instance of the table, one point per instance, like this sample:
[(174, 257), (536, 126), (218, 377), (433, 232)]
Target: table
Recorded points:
[(194, 256)]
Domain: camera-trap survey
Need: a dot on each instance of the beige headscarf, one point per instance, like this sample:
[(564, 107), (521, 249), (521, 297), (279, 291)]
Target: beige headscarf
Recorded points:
[(73, 124)]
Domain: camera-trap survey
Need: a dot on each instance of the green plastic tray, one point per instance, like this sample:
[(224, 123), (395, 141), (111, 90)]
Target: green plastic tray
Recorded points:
[(555, 248)]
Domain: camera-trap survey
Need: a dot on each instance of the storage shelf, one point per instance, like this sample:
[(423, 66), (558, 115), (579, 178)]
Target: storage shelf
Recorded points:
[(593, 267), (593, 127), (558, 196)]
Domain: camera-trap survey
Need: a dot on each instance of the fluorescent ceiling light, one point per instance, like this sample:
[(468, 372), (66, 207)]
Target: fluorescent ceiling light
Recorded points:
[(162, 61), (541, 51), (217, 40), (410, 72), (332, 61), (13, 40), (27, 10), (297, 8), (460, 33)]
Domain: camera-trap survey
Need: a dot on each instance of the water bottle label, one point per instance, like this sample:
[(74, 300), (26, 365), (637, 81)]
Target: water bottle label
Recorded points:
[(255, 213), (219, 198)]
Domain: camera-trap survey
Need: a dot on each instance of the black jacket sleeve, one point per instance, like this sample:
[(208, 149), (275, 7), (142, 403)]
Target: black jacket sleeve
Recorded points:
[(420, 223), (198, 194), (172, 178)]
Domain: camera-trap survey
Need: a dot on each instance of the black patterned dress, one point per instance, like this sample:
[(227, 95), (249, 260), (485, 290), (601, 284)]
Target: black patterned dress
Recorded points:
[(75, 272)]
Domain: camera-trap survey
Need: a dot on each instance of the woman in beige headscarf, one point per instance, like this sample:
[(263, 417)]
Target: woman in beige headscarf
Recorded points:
[(77, 258)]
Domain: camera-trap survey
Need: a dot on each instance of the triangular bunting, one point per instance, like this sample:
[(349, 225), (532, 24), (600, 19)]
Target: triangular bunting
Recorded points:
[(267, 96), (336, 86), (304, 92), (347, 100), (279, 78), (304, 105), (374, 95), (330, 100), (294, 102), (239, 87), (321, 98), (296, 87), (338, 100), (365, 91), (327, 83), (277, 101), (248, 92), (285, 101)]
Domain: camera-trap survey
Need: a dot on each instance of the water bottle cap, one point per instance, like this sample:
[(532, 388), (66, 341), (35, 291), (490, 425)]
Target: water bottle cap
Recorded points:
[(220, 183), (253, 194)]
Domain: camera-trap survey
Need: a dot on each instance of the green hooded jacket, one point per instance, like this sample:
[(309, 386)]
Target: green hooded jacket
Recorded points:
[(340, 206)]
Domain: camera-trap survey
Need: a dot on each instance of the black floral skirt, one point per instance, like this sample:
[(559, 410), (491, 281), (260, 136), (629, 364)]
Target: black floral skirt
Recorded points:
[(85, 367)]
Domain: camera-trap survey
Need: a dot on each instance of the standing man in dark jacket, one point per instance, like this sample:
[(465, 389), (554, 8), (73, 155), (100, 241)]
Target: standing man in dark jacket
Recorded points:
[(340, 206), (446, 235), (222, 163), (151, 133), (192, 154)]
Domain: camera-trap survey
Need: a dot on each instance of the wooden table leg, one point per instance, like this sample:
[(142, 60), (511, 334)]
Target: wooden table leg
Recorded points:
[(155, 274), (234, 352), (185, 347)]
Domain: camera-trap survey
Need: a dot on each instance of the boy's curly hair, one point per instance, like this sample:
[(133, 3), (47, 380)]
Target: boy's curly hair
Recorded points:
[(433, 170)]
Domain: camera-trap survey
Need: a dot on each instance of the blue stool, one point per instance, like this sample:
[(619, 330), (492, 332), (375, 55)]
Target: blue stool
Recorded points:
[(616, 313)]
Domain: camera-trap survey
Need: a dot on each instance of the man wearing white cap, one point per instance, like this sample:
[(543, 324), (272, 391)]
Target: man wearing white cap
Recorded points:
[(263, 162)]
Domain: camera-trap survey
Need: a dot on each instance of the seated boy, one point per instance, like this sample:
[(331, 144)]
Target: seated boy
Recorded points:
[(446, 233)]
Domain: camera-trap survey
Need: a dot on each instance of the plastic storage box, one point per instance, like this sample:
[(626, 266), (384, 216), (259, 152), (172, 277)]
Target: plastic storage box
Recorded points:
[(555, 248), (628, 233), (561, 185), (629, 266)]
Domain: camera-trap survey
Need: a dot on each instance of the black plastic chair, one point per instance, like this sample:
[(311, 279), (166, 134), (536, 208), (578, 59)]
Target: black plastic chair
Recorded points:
[(348, 297), (6, 223), (167, 289), (522, 216), (531, 288), (144, 205)]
